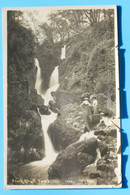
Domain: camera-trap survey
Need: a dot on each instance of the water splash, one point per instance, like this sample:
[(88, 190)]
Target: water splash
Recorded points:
[(46, 120), (63, 52), (53, 86), (38, 77)]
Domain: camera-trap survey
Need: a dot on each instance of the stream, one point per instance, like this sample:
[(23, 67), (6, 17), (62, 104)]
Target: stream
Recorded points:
[(46, 120)]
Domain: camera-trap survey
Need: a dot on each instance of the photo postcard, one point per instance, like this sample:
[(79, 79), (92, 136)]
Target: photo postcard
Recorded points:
[(61, 97)]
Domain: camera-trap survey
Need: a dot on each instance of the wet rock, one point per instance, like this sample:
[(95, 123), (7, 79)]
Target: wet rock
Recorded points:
[(44, 110), (62, 135), (112, 133), (102, 124), (91, 172), (54, 107), (73, 159), (53, 103), (29, 137), (35, 99), (63, 97), (103, 148), (102, 103), (100, 132), (86, 129), (95, 119), (95, 174), (85, 159), (55, 110), (101, 138), (68, 127), (107, 169), (101, 181), (101, 161)]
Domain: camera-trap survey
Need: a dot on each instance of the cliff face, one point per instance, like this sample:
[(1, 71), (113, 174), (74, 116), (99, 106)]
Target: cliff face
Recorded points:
[(88, 71), (83, 133), (25, 139), (89, 65)]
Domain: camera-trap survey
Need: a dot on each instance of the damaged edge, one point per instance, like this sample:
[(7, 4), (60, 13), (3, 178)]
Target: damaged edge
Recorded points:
[(4, 24), (116, 121)]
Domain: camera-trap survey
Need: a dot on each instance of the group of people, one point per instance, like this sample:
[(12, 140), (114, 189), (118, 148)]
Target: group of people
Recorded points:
[(90, 103), (87, 101)]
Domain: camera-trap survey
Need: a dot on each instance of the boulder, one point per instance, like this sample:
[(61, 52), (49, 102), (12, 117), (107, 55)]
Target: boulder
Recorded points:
[(95, 119), (53, 103), (62, 135), (100, 132), (103, 148), (92, 172), (73, 159), (55, 110), (54, 107), (35, 98), (29, 137), (112, 133), (102, 124), (63, 97), (68, 127), (107, 169), (44, 110), (102, 105)]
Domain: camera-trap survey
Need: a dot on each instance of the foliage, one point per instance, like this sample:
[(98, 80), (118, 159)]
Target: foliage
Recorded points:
[(20, 48), (22, 132), (88, 68), (48, 54), (63, 24)]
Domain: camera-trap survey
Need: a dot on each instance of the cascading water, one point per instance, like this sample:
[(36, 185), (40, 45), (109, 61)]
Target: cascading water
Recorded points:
[(38, 77), (63, 52), (46, 120), (53, 86)]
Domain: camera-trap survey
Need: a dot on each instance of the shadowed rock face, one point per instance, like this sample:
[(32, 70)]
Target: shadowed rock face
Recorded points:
[(62, 135), (30, 139), (73, 159), (44, 110), (64, 97)]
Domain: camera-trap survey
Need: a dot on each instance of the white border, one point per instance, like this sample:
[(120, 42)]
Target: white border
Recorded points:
[(5, 93), (118, 100), (5, 96)]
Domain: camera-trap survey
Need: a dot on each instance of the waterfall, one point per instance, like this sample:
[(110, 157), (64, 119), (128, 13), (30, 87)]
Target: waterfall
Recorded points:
[(89, 135), (53, 86), (63, 52), (46, 120), (38, 77)]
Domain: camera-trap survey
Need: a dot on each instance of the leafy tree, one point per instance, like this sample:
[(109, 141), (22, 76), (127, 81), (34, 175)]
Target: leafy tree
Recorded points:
[(20, 62), (20, 48)]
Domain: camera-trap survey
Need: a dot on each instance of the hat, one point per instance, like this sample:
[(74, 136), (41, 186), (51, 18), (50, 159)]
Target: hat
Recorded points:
[(93, 96), (85, 98)]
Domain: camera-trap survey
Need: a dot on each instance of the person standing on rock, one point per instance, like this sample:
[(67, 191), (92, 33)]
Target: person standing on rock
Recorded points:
[(88, 112), (93, 99)]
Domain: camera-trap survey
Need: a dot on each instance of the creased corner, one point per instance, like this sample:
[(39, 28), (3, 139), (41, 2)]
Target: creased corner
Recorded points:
[(119, 185), (119, 150), (116, 122)]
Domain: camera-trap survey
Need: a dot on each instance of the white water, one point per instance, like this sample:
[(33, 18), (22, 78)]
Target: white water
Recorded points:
[(87, 135), (46, 120), (63, 52), (38, 77), (53, 86)]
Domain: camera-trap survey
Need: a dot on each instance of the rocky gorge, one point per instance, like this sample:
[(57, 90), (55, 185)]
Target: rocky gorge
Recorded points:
[(83, 134)]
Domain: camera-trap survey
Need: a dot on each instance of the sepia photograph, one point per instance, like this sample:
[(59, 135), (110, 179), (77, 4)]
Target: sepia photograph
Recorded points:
[(61, 97)]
